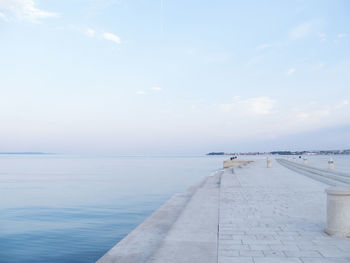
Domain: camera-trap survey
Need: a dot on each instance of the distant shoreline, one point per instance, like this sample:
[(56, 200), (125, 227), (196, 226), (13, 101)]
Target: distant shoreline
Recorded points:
[(33, 153), (320, 152)]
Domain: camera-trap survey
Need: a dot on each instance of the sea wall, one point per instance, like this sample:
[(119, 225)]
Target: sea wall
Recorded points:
[(142, 242)]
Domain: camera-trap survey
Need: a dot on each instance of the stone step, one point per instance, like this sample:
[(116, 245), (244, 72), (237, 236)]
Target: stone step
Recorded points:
[(316, 173)]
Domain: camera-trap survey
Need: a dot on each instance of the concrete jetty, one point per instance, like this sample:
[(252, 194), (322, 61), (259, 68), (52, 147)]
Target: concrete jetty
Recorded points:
[(235, 162), (247, 213)]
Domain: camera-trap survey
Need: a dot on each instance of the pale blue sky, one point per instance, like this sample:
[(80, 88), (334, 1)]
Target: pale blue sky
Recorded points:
[(152, 77)]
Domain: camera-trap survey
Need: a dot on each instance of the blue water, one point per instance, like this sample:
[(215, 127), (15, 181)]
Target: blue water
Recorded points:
[(61, 208)]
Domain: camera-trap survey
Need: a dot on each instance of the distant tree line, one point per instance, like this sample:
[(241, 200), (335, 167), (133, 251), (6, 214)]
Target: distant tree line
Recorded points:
[(216, 153)]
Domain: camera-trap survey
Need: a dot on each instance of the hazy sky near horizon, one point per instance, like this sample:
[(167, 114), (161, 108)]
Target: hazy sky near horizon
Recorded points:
[(166, 76)]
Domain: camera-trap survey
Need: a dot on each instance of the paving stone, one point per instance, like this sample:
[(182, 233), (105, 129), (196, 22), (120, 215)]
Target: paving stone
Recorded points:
[(251, 253), (303, 253), (277, 260), (325, 260), (228, 253), (234, 247), (273, 253), (335, 253), (235, 260), (259, 247), (284, 247)]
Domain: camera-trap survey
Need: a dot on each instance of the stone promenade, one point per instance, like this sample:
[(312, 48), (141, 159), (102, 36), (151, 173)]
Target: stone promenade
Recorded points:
[(243, 214), (275, 215)]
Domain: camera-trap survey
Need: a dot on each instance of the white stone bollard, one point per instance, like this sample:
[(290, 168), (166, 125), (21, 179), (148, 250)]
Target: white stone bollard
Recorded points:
[(305, 160), (331, 164), (338, 212), (268, 161)]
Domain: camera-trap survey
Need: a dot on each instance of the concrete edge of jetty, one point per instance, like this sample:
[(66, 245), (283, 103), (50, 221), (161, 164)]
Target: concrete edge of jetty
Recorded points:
[(140, 244)]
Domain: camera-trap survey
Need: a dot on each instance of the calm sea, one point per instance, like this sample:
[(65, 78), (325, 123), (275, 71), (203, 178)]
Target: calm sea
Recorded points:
[(60, 208)]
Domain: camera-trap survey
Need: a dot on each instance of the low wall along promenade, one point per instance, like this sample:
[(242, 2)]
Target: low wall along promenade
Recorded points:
[(244, 213), (235, 162)]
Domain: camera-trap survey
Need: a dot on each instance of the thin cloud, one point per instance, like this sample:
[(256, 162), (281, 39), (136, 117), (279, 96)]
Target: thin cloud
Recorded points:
[(161, 16), (255, 60), (263, 46), (312, 116), (312, 102), (156, 89), (323, 37), (140, 92), (291, 71), (302, 116), (25, 10), (252, 106), (3, 17), (260, 105), (342, 104), (112, 37), (226, 107), (342, 35), (300, 31), (90, 32)]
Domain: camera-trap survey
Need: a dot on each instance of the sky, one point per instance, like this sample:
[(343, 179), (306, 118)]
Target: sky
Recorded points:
[(174, 76)]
